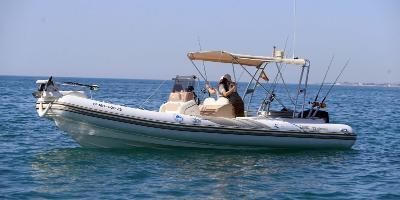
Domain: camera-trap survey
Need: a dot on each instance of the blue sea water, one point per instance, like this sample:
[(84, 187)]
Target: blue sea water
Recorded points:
[(39, 161)]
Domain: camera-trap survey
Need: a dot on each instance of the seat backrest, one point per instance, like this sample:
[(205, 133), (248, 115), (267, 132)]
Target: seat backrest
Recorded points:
[(174, 97), (220, 101), (170, 107), (181, 96), (209, 101), (188, 108), (217, 108), (177, 88), (187, 96)]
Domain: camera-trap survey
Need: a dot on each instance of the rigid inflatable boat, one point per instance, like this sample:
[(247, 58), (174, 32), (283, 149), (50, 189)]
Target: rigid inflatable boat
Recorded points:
[(187, 121)]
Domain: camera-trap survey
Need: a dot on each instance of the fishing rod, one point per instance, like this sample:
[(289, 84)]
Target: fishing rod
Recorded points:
[(316, 103), (204, 89), (322, 104), (323, 80), (202, 76), (204, 66), (337, 78)]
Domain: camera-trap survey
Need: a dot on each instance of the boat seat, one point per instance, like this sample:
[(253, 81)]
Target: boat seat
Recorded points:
[(170, 107), (187, 108), (217, 108), (181, 96), (219, 101)]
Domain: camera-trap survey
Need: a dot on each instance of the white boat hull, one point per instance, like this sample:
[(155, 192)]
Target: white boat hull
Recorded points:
[(114, 126)]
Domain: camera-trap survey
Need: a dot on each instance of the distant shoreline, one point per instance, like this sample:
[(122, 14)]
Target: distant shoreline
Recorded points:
[(358, 84)]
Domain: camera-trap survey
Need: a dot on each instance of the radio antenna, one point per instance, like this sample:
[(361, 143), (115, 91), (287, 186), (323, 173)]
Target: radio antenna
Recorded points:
[(294, 27)]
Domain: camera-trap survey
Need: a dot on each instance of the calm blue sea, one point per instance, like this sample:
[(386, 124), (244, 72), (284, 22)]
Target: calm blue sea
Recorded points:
[(38, 161)]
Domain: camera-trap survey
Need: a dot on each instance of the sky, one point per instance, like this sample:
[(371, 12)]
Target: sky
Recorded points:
[(148, 39)]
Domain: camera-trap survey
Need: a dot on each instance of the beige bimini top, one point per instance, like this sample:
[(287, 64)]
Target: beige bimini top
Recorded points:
[(248, 60)]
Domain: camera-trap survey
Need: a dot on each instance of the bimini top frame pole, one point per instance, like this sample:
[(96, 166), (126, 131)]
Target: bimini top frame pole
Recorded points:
[(251, 91), (257, 82), (302, 90)]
